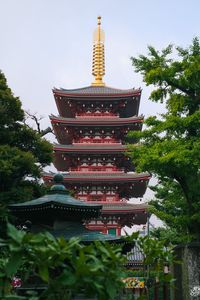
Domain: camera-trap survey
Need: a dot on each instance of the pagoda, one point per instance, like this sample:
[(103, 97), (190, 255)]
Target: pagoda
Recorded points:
[(91, 129)]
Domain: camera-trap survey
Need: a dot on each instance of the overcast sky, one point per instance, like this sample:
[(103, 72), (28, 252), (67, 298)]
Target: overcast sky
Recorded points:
[(48, 43)]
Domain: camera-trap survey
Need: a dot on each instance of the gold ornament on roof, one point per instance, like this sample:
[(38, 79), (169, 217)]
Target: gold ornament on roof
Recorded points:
[(98, 64)]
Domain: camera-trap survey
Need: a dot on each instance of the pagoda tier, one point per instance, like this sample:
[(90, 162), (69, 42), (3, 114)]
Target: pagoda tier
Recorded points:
[(94, 130), (116, 215), (103, 187), (92, 158), (98, 101)]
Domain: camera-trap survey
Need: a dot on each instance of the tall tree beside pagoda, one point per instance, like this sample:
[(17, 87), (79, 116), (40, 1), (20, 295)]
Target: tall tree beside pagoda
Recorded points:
[(170, 145), (23, 152)]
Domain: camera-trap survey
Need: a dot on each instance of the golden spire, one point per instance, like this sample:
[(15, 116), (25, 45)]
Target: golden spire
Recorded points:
[(98, 64)]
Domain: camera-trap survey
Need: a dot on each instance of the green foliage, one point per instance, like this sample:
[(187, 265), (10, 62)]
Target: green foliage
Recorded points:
[(169, 147), (156, 255), (168, 235), (69, 268), (23, 152), (64, 267)]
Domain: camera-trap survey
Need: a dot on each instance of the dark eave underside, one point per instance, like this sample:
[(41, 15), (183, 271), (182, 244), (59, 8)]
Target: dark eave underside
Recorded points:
[(96, 91)]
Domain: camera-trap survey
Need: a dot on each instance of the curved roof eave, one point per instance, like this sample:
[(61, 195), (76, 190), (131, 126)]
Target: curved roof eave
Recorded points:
[(103, 121), (99, 177), (97, 91)]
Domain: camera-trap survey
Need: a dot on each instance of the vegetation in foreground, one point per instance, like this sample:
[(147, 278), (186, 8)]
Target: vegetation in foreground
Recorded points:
[(68, 268)]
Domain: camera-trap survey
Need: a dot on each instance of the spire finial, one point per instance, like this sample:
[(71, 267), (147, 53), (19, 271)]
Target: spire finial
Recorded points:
[(99, 20), (98, 65)]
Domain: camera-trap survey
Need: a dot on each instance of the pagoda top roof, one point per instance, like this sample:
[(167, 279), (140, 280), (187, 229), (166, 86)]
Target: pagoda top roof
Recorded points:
[(96, 91), (85, 147)]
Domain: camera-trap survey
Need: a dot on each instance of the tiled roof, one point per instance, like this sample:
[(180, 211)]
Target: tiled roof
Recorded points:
[(72, 148), (64, 199), (101, 176), (115, 121), (124, 206), (97, 90), (59, 201), (135, 255)]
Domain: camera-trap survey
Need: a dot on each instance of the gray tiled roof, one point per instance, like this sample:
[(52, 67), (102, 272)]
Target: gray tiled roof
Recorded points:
[(124, 206), (97, 90), (90, 147), (99, 119), (101, 176)]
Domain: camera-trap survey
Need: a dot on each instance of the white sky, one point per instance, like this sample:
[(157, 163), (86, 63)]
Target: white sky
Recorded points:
[(48, 43)]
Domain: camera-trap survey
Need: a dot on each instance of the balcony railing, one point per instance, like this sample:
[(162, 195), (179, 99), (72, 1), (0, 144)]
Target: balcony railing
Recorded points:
[(96, 141), (87, 169)]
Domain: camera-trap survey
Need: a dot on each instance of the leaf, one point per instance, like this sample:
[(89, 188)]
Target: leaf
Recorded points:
[(111, 289), (15, 234), (67, 278), (44, 272), (13, 264)]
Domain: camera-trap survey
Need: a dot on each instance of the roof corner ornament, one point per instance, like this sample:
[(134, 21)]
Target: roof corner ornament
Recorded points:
[(98, 64)]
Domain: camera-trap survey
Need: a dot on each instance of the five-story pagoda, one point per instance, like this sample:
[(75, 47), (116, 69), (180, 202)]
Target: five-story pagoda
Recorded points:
[(91, 128)]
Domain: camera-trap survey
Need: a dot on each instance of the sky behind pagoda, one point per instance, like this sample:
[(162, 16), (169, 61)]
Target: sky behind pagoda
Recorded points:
[(48, 43)]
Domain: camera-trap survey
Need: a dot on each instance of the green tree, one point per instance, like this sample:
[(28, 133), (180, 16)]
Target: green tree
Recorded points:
[(23, 151), (169, 146)]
